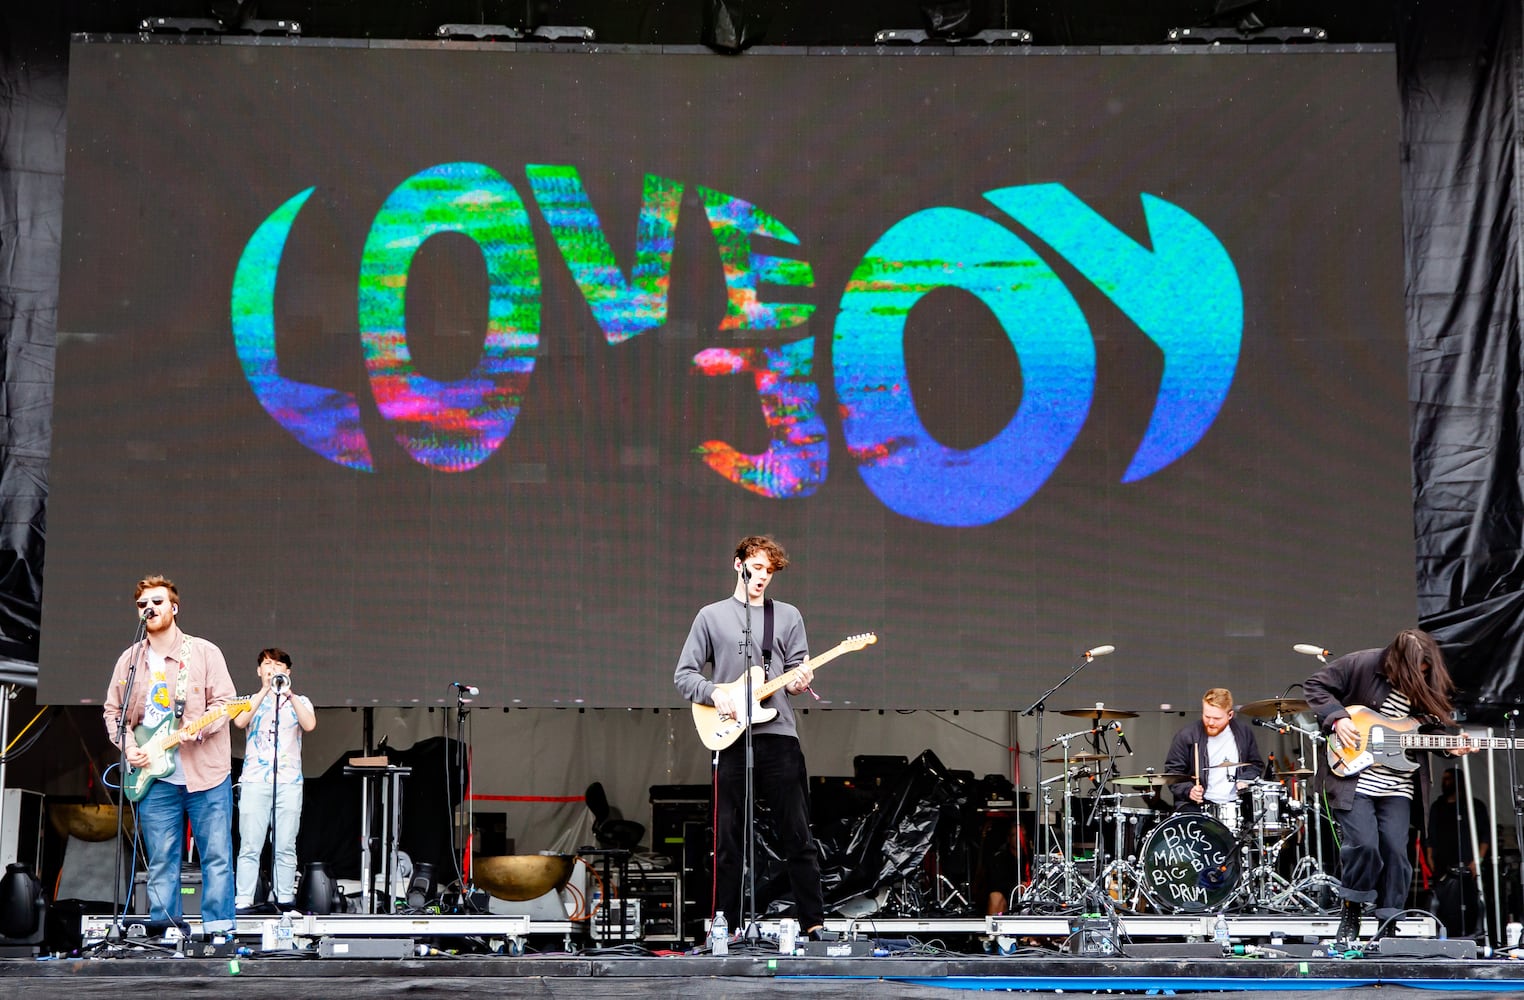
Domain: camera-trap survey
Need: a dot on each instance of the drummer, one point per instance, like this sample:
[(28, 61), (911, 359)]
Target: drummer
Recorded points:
[(1202, 747)]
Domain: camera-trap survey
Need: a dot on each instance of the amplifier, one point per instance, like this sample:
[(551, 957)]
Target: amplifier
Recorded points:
[(190, 893)]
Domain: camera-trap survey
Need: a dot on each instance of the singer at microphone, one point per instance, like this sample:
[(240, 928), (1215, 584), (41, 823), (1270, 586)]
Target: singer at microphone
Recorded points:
[(1218, 751), (270, 792)]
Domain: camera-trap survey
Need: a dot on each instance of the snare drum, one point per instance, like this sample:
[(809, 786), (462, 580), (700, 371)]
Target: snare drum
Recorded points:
[(1230, 814), (1189, 864)]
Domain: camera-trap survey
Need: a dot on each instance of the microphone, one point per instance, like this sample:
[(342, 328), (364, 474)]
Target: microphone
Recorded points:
[(1308, 649), (1091, 654), (745, 573), (1122, 739), (145, 614), (470, 689)]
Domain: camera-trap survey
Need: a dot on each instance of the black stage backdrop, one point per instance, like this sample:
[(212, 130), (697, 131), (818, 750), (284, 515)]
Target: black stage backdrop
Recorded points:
[(465, 364), (1456, 76)]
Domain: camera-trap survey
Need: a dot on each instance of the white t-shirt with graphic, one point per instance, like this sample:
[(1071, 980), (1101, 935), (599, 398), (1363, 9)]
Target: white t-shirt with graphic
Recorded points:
[(260, 742)]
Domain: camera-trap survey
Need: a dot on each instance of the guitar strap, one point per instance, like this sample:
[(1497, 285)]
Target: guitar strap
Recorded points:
[(767, 635), (182, 681)]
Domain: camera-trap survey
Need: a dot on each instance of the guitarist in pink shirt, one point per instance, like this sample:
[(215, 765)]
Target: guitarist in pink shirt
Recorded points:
[(778, 642), (176, 680), (1376, 807)]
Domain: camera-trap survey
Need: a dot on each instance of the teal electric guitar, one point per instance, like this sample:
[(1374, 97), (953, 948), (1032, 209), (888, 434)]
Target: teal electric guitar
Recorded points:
[(162, 742)]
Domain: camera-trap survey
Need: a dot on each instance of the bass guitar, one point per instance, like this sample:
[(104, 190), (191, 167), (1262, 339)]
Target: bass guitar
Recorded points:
[(717, 733), (1384, 740), (161, 743)]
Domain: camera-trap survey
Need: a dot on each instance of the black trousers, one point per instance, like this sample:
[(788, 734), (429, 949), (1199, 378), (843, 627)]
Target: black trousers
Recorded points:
[(1373, 852), (779, 779)]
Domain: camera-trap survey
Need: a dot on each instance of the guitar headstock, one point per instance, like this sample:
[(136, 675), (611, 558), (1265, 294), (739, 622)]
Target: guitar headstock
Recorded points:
[(236, 708), (856, 642)]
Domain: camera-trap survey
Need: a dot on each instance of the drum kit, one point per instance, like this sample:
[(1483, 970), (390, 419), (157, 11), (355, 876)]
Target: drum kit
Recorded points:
[(1262, 851)]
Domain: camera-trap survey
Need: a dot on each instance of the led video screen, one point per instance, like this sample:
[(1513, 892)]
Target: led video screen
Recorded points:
[(435, 364)]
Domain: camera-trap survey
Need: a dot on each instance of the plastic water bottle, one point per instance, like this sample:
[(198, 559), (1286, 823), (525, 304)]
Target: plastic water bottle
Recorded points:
[(719, 935), (1220, 934), (283, 936)]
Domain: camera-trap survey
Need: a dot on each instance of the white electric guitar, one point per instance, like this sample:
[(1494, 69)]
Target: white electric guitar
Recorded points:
[(718, 733)]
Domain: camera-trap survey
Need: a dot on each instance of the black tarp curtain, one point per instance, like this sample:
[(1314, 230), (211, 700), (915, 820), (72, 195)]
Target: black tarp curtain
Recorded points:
[(1459, 79)]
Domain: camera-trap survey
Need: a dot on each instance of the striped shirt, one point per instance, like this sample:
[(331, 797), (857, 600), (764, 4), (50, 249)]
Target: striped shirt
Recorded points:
[(1378, 779)]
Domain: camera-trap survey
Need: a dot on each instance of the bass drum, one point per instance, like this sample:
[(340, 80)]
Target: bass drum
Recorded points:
[(1189, 864)]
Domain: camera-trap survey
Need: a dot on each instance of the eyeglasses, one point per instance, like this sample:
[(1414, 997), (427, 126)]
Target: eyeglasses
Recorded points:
[(157, 601)]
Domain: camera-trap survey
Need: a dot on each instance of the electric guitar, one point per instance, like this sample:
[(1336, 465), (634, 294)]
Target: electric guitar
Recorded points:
[(1384, 740), (161, 742), (718, 733)]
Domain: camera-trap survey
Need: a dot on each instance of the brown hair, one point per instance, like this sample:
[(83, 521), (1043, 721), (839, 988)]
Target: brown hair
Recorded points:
[(150, 582), (279, 655), (1219, 698), (752, 544), (1403, 664)]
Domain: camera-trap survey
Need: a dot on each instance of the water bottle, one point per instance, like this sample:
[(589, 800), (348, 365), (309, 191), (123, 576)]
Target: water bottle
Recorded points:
[(788, 935), (719, 935), (283, 938), (1220, 934)]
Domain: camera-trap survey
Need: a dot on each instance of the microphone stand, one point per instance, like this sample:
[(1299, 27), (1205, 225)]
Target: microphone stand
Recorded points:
[(275, 693), (747, 914), (1039, 707), (462, 760), (117, 905), (1517, 791)]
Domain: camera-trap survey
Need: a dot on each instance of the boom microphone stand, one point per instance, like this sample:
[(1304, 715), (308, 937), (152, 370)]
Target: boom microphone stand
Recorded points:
[(1038, 707)]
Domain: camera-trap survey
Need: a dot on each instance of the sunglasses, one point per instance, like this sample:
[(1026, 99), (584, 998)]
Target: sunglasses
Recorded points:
[(157, 602)]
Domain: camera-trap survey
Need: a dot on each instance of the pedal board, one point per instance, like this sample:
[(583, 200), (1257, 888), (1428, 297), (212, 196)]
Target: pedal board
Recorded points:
[(336, 947), (857, 948), (1396, 947)]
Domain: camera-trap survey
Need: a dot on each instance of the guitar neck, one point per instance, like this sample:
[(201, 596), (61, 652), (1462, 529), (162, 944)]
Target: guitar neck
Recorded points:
[(191, 729), (815, 664), (1445, 741)]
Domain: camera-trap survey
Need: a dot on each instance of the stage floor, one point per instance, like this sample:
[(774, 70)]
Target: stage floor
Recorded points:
[(352, 955)]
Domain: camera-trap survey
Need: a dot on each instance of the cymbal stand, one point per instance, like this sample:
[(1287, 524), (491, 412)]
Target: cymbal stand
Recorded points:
[(1060, 877), (1310, 877)]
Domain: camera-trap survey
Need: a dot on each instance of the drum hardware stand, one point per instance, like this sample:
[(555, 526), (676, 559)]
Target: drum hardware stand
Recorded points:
[(1120, 870), (1049, 876)]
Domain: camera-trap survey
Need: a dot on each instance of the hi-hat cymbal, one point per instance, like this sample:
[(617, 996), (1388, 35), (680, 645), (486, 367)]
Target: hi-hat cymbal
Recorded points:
[(1269, 708), (1082, 757), (1149, 780), (1099, 713), (1299, 772), (1228, 763)]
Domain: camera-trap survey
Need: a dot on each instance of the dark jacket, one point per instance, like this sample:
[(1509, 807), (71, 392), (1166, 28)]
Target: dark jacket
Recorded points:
[(1353, 679), (1181, 758)]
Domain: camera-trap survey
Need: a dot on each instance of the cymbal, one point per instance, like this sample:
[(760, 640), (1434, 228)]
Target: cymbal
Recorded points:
[(1228, 763), (1299, 772), (1099, 713), (1269, 708), (1082, 757), (1149, 780)]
